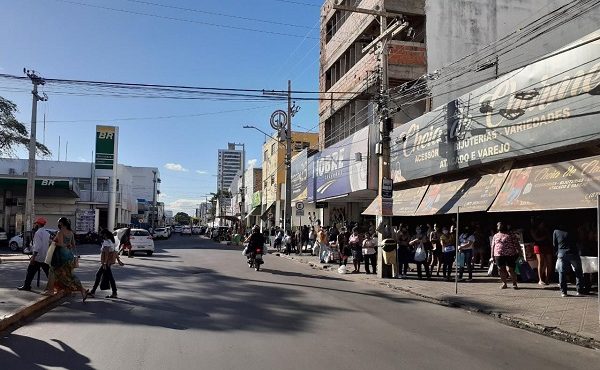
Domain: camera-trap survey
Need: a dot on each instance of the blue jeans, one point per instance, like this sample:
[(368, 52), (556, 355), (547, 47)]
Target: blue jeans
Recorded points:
[(323, 250), (468, 256), (564, 264)]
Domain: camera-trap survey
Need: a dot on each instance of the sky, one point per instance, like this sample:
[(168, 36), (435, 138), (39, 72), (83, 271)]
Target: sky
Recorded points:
[(257, 44)]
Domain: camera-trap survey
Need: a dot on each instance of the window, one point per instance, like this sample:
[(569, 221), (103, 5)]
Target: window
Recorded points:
[(272, 180), (102, 184), (266, 155), (84, 184), (273, 148)]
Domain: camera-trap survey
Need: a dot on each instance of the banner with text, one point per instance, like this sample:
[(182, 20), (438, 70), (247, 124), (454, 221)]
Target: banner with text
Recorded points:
[(106, 139), (299, 176), (545, 105)]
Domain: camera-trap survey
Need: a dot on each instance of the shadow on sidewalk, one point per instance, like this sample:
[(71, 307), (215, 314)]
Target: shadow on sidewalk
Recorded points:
[(31, 353)]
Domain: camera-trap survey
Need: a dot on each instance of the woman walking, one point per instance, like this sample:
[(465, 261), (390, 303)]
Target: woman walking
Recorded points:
[(505, 249), (108, 257), (420, 254), (63, 261), (543, 250)]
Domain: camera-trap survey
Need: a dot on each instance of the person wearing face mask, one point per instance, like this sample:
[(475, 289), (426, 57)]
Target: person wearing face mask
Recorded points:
[(448, 243), (420, 253), (403, 239), (465, 248)]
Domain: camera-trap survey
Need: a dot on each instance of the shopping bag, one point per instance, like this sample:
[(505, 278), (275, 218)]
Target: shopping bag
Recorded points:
[(460, 260), (342, 269), (420, 254), (493, 269), (51, 249), (105, 282)]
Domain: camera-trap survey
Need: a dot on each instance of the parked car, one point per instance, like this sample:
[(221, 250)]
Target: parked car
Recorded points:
[(161, 232), (3, 237), (16, 242), (141, 241), (196, 230), (177, 229), (186, 230)]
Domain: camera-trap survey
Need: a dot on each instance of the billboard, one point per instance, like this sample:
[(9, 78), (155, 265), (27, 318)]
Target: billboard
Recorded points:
[(337, 170), (543, 106), (106, 139), (300, 176)]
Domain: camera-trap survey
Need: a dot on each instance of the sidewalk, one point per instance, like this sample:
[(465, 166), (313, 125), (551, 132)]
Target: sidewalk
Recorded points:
[(16, 305), (532, 307)]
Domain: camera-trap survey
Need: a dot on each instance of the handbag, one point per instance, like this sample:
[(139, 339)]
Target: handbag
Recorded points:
[(50, 253), (105, 282), (493, 269)]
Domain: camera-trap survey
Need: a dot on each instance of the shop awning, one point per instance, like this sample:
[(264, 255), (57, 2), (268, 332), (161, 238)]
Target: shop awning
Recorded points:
[(230, 218), (474, 194), (255, 212), (265, 214), (565, 185), (403, 203), (50, 187)]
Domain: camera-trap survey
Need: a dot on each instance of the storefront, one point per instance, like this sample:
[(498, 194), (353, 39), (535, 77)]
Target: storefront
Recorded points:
[(343, 179), (522, 147)]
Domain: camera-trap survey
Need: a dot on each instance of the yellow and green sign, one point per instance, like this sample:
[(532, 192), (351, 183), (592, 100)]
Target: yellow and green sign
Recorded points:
[(256, 199)]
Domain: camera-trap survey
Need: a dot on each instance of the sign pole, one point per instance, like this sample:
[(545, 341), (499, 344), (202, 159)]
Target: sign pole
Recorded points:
[(456, 251)]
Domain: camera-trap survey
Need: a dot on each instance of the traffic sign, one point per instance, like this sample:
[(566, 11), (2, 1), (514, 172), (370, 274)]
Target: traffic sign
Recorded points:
[(299, 212), (278, 119), (299, 206)]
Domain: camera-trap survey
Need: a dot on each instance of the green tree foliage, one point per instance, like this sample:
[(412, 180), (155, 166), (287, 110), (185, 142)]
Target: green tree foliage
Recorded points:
[(12, 132), (182, 218)]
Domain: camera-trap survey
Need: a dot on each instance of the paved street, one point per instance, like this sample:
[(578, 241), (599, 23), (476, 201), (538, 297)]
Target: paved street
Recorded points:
[(196, 305)]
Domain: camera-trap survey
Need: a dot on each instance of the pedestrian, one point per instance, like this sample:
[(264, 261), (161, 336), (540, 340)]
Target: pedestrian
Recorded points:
[(466, 240), (448, 244), (312, 238), (568, 257), (343, 248), (323, 243), (355, 244), (369, 253), (41, 242), (287, 242), (125, 243), (480, 246), (63, 260), (505, 250), (434, 239), (420, 254), (108, 257), (403, 240), (543, 250)]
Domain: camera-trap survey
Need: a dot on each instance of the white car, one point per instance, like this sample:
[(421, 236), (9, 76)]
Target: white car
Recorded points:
[(186, 230), (161, 232), (177, 229), (16, 242), (196, 230), (141, 240)]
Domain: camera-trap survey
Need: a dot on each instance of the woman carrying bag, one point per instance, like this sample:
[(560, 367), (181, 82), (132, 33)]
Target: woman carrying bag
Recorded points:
[(108, 257), (63, 261)]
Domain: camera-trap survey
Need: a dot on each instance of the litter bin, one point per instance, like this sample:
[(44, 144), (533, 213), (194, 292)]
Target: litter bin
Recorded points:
[(389, 266)]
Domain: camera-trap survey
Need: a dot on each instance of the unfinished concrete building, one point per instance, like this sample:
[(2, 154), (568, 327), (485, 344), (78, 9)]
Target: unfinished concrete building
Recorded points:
[(349, 77)]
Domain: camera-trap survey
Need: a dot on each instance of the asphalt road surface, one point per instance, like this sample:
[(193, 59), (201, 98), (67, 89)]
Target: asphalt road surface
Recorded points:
[(196, 305)]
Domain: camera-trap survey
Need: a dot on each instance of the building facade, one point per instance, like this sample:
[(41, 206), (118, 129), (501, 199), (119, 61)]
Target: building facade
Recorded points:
[(68, 189), (230, 161)]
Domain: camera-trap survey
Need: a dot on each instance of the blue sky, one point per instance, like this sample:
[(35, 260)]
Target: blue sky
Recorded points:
[(67, 39)]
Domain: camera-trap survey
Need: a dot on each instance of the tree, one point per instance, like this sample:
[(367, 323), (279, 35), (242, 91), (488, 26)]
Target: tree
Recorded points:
[(12, 132), (182, 218)]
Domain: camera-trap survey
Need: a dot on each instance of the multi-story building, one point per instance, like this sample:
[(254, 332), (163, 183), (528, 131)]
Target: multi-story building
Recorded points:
[(274, 170), (230, 161), (253, 195), (69, 189)]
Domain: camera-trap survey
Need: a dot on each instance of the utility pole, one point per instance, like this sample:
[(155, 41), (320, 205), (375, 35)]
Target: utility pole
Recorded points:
[(153, 214), (385, 123), (288, 160), (31, 171)]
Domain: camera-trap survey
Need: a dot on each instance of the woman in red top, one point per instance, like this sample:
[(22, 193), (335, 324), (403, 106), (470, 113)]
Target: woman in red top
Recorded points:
[(505, 249)]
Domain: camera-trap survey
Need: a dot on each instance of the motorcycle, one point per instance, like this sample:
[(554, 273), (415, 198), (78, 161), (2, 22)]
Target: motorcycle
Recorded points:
[(255, 258)]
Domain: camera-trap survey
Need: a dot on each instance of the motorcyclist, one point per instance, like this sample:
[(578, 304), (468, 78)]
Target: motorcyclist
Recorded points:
[(256, 241)]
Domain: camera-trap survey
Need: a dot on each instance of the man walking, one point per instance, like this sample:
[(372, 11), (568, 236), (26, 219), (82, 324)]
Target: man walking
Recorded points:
[(41, 242)]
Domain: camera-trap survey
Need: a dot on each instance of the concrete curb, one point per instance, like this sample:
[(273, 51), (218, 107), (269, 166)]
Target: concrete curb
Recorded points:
[(29, 311), (513, 321)]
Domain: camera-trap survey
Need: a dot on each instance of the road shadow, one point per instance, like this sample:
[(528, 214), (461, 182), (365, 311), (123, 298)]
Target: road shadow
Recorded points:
[(301, 275), (26, 353), (477, 304)]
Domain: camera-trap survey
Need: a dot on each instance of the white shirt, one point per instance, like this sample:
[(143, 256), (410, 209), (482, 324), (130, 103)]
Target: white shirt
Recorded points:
[(108, 246), (41, 242)]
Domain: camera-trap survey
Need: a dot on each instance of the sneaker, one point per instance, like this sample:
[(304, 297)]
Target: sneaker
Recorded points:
[(25, 288), (563, 295)]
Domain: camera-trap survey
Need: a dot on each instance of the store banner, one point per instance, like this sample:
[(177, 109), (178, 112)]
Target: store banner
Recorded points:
[(337, 169), (106, 138), (300, 176), (406, 202), (565, 185), (546, 105), (256, 199), (474, 194), (311, 165)]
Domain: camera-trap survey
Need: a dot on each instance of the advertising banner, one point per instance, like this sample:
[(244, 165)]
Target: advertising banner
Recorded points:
[(300, 176), (564, 185), (338, 172), (85, 221), (106, 138), (311, 181), (543, 106), (405, 202), (474, 194), (256, 199)]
